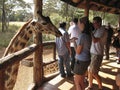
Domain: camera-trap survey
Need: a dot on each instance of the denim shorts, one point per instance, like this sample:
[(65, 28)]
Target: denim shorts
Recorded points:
[(80, 67), (95, 64)]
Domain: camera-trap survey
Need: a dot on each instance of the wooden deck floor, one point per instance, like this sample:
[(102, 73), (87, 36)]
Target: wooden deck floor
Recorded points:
[(108, 72)]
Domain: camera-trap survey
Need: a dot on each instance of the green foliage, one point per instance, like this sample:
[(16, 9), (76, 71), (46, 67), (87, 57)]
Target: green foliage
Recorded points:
[(5, 37), (49, 7), (48, 37), (56, 19)]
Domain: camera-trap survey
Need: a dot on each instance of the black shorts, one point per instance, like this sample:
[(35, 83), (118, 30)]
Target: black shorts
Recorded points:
[(80, 67)]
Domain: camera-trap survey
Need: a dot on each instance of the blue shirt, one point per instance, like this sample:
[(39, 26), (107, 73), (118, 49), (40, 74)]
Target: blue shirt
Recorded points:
[(61, 42), (85, 41)]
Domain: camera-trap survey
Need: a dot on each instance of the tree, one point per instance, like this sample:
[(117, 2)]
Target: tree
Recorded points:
[(50, 6), (7, 6)]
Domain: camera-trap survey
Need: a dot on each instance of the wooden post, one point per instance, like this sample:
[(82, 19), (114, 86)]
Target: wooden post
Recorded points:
[(38, 60), (119, 22), (54, 52), (86, 12)]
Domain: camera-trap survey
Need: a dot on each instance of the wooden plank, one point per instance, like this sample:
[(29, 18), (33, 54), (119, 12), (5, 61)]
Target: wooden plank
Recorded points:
[(86, 12), (17, 56)]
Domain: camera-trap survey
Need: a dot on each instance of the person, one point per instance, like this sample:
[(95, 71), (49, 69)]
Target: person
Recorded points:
[(99, 36), (116, 44), (73, 32), (82, 53), (108, 42), (64, 51)]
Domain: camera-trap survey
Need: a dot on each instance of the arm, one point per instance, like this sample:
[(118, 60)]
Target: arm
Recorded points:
[(97, 35), (79, 49), (67, 42), (68, 46), (94, 39), (73, 39)]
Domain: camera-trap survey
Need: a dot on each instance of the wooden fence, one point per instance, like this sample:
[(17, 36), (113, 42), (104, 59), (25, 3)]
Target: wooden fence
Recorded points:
[(49, 68)]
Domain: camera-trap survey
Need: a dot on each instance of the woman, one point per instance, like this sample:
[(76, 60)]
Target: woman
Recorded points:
[(82, 53)]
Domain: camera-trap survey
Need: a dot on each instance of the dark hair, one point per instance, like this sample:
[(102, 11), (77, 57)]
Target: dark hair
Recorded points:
[(85, 21), (75, 20), (98, 19), (62, 24)]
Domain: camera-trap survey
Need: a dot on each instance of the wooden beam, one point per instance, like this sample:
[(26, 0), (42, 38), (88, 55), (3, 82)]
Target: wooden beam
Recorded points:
[(86, 12), (38, 60), (17, 56)]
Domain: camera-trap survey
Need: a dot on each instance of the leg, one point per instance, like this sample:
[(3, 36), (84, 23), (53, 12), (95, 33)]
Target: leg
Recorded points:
[(72, 58), (95, 64), (107, 48), (61, 66), (98, 79), (76, 80), (118, 55), (82, 77), (67, 64), (79, 82), (90, 79)]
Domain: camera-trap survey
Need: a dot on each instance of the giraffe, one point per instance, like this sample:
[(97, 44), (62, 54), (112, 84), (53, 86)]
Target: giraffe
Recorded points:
[(19, 41)]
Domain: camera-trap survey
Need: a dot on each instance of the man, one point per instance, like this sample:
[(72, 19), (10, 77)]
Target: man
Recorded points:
[(99, 36), (109, 38), (64, 51), (73, 32)]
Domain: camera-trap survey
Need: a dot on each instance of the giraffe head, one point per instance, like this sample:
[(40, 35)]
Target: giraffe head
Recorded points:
[(44, 25)]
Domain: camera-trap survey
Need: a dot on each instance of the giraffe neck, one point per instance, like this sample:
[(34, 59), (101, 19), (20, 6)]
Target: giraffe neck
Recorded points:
[(18, 42)]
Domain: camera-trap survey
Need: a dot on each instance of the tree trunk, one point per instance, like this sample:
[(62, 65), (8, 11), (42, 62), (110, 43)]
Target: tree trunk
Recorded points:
[(4, 25), (3, 15)]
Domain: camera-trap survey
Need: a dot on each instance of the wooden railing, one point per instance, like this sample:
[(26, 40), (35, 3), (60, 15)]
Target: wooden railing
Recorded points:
[(49, 67), (17, 56)]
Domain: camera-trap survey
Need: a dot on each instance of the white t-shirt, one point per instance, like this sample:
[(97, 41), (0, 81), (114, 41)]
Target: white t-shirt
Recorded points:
[(98, 47), (74, 32)]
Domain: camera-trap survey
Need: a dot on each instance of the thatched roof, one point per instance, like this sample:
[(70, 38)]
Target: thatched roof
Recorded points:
[(110, 6)]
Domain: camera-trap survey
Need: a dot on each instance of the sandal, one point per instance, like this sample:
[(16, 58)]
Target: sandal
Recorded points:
[(88, 88)]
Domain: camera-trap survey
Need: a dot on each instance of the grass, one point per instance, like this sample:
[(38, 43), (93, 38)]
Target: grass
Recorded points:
[(5, 37)]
